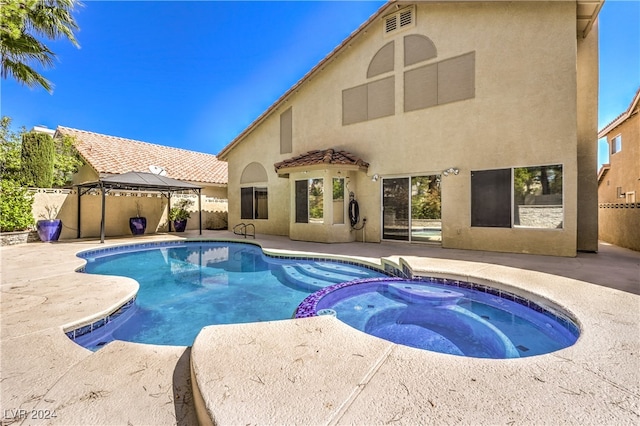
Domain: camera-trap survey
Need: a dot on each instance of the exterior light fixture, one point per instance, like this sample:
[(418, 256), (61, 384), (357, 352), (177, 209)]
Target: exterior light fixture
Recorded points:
[(450, 170), (375, 178)]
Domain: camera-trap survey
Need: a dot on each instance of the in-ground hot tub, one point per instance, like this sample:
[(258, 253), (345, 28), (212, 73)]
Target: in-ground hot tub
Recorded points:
[(457, 318)]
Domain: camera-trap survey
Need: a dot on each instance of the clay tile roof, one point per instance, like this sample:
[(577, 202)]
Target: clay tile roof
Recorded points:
[(114, 155), (327, 156)]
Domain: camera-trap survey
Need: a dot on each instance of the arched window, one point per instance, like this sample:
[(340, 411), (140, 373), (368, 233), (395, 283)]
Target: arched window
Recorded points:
[(418, 48), (382, 61)]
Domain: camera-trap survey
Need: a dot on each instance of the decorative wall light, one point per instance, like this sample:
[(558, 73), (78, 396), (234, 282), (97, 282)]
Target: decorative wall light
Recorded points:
[(450, 170), (375, 177)]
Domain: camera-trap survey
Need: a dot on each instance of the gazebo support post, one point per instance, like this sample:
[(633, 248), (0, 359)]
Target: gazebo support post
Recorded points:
[(200, 209), (79, 210), (102, 224), (169, 210)]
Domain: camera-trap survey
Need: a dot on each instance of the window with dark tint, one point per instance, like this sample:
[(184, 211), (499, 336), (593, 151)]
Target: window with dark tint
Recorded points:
[(302, 201), (491, 198), (246, 203)]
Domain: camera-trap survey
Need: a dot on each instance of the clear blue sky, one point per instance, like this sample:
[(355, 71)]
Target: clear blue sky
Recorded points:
[(195, 74)]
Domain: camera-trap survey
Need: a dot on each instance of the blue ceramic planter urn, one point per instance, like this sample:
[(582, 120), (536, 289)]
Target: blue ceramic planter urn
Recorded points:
[(137, 225), (180, 225), (49, 230)]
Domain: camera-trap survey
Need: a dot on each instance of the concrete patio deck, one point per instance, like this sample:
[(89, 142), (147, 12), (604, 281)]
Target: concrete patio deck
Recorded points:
[(317, 370)]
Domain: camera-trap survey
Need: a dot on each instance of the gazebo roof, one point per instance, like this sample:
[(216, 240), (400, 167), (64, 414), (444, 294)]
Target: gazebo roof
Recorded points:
[(141, 181)]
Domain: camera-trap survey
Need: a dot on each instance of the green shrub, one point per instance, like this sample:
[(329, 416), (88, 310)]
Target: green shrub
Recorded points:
[(10, 151), (16, 204), (38, 152), (66, 162), (179, 210)]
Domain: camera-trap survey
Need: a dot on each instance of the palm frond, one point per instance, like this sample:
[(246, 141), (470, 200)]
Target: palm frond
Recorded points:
[(24, 74), (53, 19)]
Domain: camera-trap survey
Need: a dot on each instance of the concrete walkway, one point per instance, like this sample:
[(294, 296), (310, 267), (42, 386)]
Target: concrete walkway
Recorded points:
[(317, 370)]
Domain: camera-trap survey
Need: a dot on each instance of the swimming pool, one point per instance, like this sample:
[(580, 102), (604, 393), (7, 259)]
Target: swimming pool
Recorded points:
[(185, 286), (458, 319)]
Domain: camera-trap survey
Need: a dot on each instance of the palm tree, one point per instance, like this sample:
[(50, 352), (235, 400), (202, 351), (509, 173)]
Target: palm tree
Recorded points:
[(22, 23)]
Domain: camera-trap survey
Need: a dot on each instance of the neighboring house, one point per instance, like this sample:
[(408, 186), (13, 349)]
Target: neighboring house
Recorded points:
[(106, 156), (109, 155), (471, 124), (619, 180)]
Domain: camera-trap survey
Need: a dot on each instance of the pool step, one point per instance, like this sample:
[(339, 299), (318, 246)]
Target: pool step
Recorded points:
[(302, 280), (353, 271), (334, 276), (317, 275)]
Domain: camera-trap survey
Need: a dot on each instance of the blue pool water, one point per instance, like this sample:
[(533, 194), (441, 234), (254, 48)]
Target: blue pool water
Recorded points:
[(187, 286), (459, 320)]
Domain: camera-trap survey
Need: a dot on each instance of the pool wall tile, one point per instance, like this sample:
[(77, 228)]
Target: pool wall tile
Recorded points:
[(101, 322)]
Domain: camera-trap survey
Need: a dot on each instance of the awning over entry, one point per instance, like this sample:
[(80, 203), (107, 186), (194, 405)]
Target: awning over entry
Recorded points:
[(137, 181), (326, 158)]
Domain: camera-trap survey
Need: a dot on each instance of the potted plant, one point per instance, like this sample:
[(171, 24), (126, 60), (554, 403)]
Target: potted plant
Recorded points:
[(49, 227), (138, 224), (179, 214)]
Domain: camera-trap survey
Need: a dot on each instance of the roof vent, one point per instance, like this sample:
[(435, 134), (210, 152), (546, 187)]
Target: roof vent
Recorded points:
[(401, 19)]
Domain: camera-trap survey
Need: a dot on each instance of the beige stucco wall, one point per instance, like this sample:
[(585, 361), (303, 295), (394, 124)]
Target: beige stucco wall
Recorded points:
[(119, 207), (625, 165), (587, 74), (524, 114), (86, 173), (620, 224), (619, 218)]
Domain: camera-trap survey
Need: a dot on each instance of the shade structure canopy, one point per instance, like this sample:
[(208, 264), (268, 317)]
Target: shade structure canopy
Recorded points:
[(137, 181)]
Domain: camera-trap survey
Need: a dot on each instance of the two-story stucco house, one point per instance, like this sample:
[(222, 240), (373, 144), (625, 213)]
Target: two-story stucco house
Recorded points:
[(470, 124), (619, 180)]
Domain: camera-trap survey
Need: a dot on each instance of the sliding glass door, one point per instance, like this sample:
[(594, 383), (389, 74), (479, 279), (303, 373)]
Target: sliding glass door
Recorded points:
[(411, 209), (395, 209)]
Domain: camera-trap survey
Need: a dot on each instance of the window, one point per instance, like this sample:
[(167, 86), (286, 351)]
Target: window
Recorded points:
[(254, 203), (491, 198), (338, 200), (309, 201), (369, 101), (534, 192), (286, 132), (316, 199), (616, 144), (537, 193)]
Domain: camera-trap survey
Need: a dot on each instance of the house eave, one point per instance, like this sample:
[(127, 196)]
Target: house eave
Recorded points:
[(223, 154), (622, 117)]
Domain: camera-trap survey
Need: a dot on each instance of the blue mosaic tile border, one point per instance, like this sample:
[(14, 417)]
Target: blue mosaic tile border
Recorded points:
[(96, 325), (96, 253), (308, 306)]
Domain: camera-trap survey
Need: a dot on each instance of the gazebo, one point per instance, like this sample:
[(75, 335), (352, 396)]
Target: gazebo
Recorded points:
[(137, 181)]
